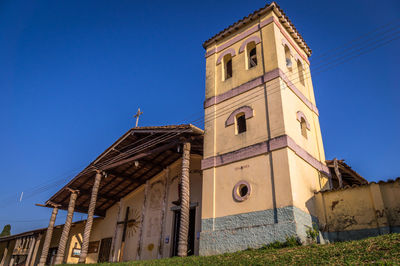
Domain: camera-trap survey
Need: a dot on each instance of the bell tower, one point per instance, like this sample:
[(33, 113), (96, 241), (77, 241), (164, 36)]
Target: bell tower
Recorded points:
[(263, 151)]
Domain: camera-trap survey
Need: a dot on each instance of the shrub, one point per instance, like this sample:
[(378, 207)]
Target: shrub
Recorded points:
[(313, 233)]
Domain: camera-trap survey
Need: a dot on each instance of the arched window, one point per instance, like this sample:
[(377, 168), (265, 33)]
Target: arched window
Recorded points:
[(303, 126), (251, 55), (241, 123), (300, 71), (227, 67), (288, 57)]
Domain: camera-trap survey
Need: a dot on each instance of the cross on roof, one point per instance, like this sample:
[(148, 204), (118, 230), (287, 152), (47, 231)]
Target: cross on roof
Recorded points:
[(139, 113)]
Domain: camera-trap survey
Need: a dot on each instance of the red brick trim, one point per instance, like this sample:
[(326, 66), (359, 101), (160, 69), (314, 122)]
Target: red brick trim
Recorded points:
[(264, 147)]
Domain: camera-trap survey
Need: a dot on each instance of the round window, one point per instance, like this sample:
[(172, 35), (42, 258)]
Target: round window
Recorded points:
[(241, 191)]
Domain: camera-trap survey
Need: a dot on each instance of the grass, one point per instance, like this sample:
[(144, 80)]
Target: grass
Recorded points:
[(375, 250)]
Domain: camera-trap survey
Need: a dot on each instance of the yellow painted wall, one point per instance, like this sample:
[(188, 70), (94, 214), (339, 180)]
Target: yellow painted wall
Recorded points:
[(363, 207), (295, 179)]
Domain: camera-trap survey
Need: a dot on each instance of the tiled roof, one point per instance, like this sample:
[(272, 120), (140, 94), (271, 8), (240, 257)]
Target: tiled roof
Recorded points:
[(361, 185), (241, 23)]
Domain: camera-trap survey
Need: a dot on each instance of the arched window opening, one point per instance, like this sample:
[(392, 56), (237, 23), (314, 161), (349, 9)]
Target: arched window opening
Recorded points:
[(288, 57), (251, 55), (227, 65), (300, 72), (303, 126), (229, 69), (241, 123)]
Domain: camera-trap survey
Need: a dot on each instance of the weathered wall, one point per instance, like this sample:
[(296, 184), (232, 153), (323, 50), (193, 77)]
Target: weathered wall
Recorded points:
[(358, 212), (150, 239)]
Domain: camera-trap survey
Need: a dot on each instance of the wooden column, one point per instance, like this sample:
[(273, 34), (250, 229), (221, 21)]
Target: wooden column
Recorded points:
[(337, 172), (3, 260), (36, 249), (185, 202), (89, 221), (67, 226), (47, 239), (114, 253), (32, 242), (163, 213)]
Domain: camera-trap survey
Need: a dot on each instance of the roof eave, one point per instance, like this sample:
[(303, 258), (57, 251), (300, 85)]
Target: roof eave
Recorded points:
[(269, 7)]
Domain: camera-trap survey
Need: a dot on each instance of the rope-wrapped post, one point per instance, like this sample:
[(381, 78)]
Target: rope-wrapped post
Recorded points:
[(49, 234), (89, 221), (67, 226), (185, 202)]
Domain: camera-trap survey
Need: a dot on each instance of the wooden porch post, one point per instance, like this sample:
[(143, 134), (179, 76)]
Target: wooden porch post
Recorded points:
[(3, 260), (67, 226), (36, 249), (89, 221), (185, 202), (47, 239), (32, 242)]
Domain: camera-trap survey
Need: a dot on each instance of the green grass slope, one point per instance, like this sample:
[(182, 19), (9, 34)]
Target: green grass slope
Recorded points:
[(375, 250)]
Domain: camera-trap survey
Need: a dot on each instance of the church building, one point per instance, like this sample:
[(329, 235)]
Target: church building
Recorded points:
[(256, 174)]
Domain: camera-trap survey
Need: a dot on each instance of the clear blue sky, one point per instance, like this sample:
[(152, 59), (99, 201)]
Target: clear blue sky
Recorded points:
[(74, 72)]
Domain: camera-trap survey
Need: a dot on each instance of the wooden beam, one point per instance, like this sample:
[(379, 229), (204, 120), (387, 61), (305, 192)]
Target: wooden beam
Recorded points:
[(141, 155), (337, 172), (131, 181), (99, 195)]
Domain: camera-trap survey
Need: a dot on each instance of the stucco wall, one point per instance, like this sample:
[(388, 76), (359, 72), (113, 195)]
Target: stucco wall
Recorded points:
[(357, 212)]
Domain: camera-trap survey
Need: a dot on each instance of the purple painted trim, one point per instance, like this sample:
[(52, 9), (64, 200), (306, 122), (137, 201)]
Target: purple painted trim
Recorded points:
[(254, 39), (240, 37), (252, 30), (229, 51), (210, 52), (257, 82), (241, 89), (236, 194), (298, 58), (283, 31), (262, 148), (308, 157), (298, 92), (301, 115), (248, 113), (233, 92), (234, 156), (266, 22), (285, 42)]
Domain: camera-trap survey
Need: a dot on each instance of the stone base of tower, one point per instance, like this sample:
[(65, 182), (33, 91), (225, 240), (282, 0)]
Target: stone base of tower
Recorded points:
[(253, 230)]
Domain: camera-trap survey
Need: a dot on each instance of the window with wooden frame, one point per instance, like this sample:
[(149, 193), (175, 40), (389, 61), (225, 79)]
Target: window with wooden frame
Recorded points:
[(241, 123), (288, 57), (251, 52)]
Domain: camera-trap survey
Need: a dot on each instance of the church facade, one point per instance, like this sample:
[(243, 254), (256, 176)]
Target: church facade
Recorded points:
[(256, 174)]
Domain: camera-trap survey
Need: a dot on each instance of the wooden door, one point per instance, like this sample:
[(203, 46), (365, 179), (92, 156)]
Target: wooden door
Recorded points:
[(191, 234), (105, 249)]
